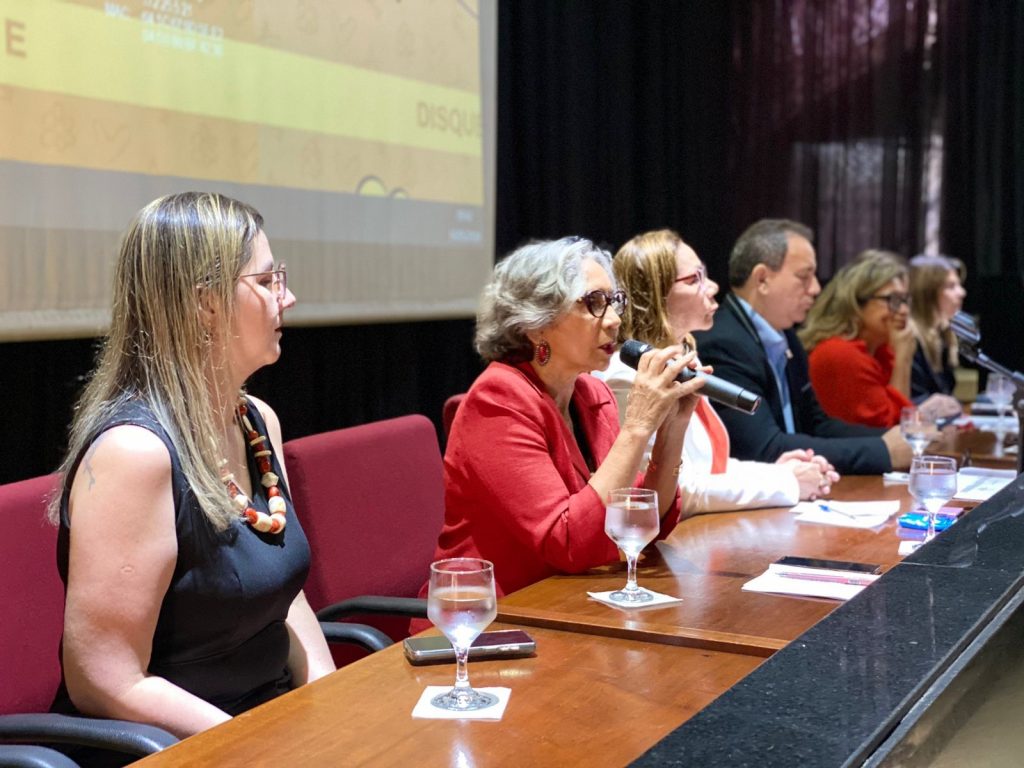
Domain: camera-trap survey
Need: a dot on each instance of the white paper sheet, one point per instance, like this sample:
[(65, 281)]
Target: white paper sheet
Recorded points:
[(846, 514), (979, 484), (810, 582)]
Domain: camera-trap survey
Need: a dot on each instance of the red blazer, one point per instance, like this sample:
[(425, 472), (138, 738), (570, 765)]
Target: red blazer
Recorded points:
[(516, 488), (853, 385)]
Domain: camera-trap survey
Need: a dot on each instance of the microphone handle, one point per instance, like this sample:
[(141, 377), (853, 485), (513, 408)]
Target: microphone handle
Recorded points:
[(722, 391), (719, 390)]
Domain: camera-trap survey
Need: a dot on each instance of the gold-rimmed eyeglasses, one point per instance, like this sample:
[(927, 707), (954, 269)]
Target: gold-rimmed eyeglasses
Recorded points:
[(276, 281)]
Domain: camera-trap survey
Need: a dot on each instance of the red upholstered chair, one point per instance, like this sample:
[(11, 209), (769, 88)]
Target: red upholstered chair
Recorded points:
[(31, 623), (371, 499), (451, 405)]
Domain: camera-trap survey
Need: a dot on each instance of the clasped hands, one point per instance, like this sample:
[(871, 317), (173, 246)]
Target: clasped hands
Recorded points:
[(813, 473)]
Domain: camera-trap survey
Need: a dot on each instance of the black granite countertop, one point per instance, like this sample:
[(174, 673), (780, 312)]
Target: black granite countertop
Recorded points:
[(831, 696)]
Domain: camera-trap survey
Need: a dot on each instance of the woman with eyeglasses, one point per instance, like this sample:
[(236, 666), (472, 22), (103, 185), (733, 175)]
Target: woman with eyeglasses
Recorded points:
[(670, 296), (535, 447), (182, 556), (861, 347)]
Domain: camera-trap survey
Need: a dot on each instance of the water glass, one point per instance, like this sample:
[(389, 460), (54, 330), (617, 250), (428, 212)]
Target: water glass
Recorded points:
[(932, 484), (918, 427), (1000, 389), (461, 603), (631, 520)]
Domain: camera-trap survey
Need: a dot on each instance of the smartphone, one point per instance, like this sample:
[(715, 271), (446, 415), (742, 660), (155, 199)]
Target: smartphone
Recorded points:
[(831, 565), (501, 644)]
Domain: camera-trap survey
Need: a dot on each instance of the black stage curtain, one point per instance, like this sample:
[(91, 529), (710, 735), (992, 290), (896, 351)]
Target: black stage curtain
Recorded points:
[(834, 112), (611, 118), (983, 188)]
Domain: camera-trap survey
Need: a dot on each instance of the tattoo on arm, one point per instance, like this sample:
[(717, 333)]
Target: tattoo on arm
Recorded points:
[(87, 459)]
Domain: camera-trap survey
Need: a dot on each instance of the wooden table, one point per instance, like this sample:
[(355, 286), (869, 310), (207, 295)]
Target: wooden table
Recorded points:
[(582, 699), (978, 445), (572, 702), (706, 560)]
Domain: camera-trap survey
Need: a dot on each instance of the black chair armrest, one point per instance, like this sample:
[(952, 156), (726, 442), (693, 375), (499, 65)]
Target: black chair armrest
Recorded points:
[(375, 605), (119, 735), (25, 756), (370, 638)]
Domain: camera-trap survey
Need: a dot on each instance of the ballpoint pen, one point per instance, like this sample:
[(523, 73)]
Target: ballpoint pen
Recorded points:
[(860, 581), (824, 506)]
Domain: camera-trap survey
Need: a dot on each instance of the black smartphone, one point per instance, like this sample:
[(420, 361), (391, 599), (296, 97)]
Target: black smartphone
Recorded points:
[(501, 644), (831, 565)]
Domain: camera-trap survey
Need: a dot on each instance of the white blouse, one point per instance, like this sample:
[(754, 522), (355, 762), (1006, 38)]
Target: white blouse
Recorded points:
[(743, 485)]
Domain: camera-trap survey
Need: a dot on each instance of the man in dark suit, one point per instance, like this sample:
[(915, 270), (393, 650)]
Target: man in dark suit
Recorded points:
[(752, 344)]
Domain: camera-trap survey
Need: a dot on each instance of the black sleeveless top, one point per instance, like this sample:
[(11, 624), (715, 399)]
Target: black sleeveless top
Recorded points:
[(221, 633)]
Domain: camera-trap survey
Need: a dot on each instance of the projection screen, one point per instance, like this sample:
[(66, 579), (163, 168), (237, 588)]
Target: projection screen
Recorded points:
[(363, 130)]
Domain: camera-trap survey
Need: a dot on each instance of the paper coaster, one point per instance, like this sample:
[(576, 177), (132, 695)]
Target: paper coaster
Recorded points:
[(428, 711), (908, 546), (657, 599)]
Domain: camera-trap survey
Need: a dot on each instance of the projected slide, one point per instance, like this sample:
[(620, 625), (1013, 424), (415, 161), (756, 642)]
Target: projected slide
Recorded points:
[(363, 130)]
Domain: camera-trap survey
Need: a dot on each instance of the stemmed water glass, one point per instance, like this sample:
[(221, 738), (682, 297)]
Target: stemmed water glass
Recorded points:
[(631, 521), (461, 603), (999, 391), (932, 484), (918, 427)]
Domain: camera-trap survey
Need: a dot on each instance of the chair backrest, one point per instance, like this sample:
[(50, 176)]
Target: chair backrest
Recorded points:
[(32, 608), (451, 405), (371, 499)]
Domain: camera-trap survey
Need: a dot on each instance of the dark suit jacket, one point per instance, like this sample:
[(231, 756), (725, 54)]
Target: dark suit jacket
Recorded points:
[(733, 347)]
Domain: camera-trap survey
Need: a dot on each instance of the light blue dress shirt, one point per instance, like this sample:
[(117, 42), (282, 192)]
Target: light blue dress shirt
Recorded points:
[(776, 347)]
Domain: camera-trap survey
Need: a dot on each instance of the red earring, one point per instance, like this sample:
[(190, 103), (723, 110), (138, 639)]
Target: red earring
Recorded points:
[(543, 353)]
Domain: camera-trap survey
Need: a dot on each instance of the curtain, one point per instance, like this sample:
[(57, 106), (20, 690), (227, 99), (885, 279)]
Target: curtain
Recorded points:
[(834, 110)]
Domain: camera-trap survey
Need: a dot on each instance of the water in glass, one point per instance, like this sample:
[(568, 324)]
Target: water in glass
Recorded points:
[(999, 391), (918, 428), (461, 603), (631, 521), (932, 484)]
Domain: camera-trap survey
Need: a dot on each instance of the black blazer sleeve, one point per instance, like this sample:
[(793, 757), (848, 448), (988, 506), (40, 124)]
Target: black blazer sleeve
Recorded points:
[(737, 356)]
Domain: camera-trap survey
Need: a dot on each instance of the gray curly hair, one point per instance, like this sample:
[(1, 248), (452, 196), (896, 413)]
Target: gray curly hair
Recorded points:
[(530, 288)]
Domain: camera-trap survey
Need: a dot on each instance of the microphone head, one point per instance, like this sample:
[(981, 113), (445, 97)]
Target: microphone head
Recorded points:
[(965, 328), (631, 351)]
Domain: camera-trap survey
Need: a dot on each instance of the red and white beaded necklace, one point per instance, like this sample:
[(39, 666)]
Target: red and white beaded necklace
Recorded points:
[(275, 521)]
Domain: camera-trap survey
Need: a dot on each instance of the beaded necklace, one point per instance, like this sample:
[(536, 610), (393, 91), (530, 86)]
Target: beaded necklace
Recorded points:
[(275, 521)]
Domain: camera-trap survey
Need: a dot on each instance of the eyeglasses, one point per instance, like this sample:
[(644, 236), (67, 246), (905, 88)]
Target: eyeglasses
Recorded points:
[(701, 275), (894, 300), (278, 281), (598, 302)]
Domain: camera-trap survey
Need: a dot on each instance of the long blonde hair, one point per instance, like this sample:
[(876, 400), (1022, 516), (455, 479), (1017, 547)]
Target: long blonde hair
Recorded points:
[(645, 268), (928, 275), (179, 254), (836, 312)]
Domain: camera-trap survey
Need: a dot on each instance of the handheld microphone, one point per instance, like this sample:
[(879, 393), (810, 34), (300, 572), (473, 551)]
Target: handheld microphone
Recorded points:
[(719, 390)]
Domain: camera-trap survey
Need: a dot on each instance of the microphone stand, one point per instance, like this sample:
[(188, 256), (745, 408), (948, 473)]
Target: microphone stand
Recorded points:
[(975, 355)]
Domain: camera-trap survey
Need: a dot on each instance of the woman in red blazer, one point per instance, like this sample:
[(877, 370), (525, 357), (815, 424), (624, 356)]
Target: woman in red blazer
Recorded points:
[(536, 446), (861, 347)]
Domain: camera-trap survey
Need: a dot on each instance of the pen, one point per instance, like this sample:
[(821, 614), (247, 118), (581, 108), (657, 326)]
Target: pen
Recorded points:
[(855, 580), (825, 507)]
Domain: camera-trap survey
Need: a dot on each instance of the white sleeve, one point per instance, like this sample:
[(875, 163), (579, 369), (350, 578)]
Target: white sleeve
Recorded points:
[(743, 485)]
